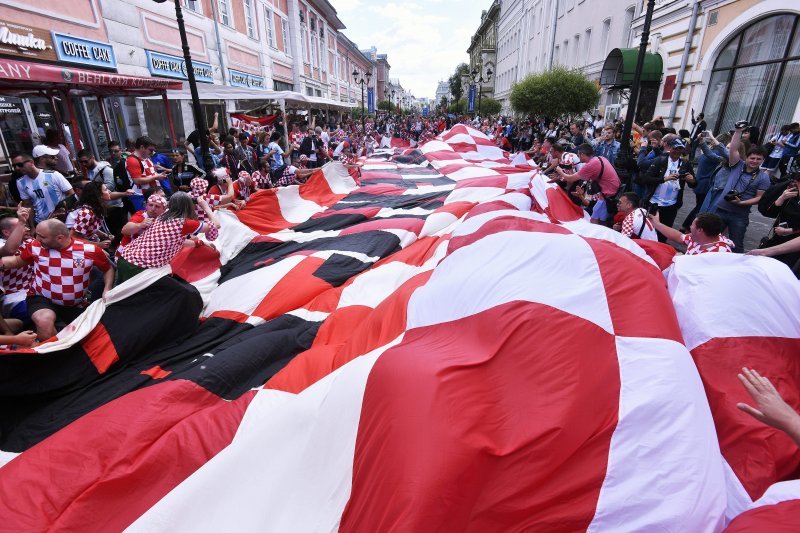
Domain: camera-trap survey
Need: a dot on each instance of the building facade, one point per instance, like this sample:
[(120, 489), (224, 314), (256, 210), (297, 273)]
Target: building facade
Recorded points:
[(483, 49), (442, 93), (241, 50)]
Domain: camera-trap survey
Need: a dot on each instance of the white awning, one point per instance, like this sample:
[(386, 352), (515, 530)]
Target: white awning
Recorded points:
[(220, 92)]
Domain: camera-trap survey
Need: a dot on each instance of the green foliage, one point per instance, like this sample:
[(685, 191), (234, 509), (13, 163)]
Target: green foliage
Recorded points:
[(490, 106), (456, 86), (443, 103), (385, 105), (458, 107), (554, 93), (356, 113)]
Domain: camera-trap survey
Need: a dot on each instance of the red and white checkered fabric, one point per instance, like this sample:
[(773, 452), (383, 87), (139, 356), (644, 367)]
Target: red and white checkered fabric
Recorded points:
[(722, 245), (262, 180), (160, 242), (288, 176), (18, 279), (86, 222), (213, 201), (62, 276)]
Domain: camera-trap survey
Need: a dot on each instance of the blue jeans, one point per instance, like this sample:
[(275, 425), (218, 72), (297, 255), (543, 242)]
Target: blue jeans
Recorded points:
[(737, 226)]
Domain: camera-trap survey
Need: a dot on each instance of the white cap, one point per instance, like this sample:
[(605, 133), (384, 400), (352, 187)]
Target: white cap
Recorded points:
[(41, 149)]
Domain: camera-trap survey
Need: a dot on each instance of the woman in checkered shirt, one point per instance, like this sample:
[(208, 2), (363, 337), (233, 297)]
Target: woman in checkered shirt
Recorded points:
[(88, 220), (165, 237)]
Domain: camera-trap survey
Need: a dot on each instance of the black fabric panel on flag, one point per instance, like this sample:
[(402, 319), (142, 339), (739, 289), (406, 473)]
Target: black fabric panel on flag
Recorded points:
[(245, 358), (41, 393), (393, 201), (338, 268), (259, 254), (330, 222), (409, 184)]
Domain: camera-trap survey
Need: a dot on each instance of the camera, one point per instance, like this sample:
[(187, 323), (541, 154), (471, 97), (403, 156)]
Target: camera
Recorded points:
[(742, 124), (733, 195)]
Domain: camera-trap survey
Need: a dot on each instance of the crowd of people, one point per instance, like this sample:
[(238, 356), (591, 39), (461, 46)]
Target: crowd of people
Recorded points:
[(79, 229), (729, 174)]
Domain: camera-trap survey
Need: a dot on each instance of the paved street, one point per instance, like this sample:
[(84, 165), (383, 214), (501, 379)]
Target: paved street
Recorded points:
[(759, 225)]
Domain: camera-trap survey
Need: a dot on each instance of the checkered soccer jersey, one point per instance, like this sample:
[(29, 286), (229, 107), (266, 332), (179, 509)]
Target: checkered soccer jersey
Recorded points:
[(722, 245), (160, 242), (84, 221), (62, 276), (17, 279), (262, 181)]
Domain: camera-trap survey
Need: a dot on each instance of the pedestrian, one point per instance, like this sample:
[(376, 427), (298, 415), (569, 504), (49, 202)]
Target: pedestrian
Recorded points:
[(141, 171), (665, 180), (183, 172), (88, 220), (39, 189), (102, 172), (55, 140)]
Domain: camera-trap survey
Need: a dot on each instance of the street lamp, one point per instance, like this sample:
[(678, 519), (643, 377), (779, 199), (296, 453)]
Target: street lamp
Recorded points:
[(624, 161), (199, 119), (476, 75), (363, 81)]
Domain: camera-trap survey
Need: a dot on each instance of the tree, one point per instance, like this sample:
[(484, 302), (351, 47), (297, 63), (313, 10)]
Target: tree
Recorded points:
[(458, 107), (443, 103), (456, 88), (554, 93), (490, 106), (385, 105)]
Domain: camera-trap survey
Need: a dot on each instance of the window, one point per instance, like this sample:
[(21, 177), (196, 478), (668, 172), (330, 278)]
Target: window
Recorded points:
[(249, 24), (565, 51), (627, 26), (576, 52), (556, 55), (587, 43), (224, 12), (192, 5), (604, 36), (304, 42), (756, 77), (314, 50), (560, 7), (285, 27), (269, 24)]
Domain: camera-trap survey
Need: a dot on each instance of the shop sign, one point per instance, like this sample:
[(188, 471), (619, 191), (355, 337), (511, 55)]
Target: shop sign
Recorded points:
[(168, 66), (10, 105), (71, 49), (23, 41), (243, 79)]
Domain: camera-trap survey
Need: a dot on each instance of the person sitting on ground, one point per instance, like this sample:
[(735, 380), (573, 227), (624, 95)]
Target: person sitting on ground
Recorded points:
[(87, 221), (635, 223), (244, 187), (141, 220), (61, 274), (165, 237), (705, 234)]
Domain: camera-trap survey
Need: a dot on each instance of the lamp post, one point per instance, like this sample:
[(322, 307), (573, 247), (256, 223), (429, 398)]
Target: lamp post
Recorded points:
[(199, 119), (476, 75), (623, 163), (363, 81)]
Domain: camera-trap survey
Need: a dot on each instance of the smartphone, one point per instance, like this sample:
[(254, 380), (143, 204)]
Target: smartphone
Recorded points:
[(783, 225)]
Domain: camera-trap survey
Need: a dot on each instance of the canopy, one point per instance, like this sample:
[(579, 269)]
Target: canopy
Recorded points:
[(220, 92), (620, 66), (22, 77)]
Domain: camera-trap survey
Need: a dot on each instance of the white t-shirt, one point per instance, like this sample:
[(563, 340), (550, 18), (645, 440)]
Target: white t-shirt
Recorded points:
[(44, 192), (666, 194)]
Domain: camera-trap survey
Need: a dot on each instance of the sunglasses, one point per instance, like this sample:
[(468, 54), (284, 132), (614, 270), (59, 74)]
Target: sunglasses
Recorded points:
[(561, 165)]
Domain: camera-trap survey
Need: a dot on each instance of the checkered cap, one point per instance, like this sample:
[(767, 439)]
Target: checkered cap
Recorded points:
[(199, 186)]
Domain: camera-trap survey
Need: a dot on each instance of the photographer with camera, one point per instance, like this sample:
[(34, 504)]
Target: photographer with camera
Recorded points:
[(665, 180), (745, 186), (782, 202)]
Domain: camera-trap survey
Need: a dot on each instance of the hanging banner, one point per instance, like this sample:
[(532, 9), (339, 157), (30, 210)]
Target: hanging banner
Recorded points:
[(471, 99), (370, 100), (168, 66), (426, 110)]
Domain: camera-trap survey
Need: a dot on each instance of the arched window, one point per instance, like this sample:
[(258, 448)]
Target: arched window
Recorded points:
[(756, 77)]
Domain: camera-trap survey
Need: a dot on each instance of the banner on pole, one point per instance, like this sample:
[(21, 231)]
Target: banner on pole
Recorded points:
[(370, 100), (471, 99)]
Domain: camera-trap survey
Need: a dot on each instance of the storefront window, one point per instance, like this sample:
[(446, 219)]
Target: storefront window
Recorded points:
[(158, 123), (14, 128), (756, 77)]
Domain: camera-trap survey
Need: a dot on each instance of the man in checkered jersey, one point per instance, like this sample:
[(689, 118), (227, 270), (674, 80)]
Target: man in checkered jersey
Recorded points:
[(61, 272), (15, 236), (705, 234)]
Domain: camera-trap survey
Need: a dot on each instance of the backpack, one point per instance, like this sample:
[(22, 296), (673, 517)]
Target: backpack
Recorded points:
[(122, 182)]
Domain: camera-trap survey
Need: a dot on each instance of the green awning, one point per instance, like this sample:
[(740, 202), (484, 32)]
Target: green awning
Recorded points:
[(620, 66)]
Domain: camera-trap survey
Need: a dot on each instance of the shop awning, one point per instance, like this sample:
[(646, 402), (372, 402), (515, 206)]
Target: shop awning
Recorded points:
[(620, 66), (22, 77), (222, 92)]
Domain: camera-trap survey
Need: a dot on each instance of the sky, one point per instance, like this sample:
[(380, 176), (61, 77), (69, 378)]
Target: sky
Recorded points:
[(424, 39)]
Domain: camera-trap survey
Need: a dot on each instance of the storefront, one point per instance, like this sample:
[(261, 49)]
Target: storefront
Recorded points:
[(42, 89), (617, 76)]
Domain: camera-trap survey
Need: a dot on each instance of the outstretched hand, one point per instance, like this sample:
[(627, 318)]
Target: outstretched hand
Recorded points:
[(771, 409)]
